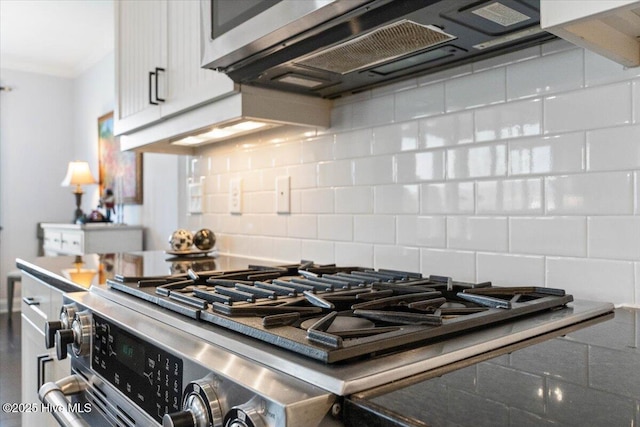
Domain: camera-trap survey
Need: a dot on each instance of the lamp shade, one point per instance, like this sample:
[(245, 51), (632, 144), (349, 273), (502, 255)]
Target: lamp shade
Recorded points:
[(78, 173)]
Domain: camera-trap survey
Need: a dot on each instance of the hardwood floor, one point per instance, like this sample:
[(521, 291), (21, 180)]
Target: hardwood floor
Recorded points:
[(10, 387)]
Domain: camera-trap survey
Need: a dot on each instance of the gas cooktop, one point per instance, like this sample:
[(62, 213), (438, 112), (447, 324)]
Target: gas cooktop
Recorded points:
[(332, 313)]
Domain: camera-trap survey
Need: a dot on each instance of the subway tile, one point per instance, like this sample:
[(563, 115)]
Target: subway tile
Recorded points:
[(613, 149), (511, 120), (317, 201), (342, 117), (425, 231), (515, 196), (289, 153), (397, 258), (318, 149), (273, 225), (616, 237), (546, 155), (302, 226), (447, 198), (566, 236), (475, 90), (400, 86), (372, 112), (397, 199), (603, 193), (599, 70), (477, 233), (420, 166), (637, 288), (374, 228), (540, 76), (395, 138), (594, 279), (450, 129), (353, 144), (287, 250), (355, 200), (635, 90), (476, 161), (557, 45), (497, 383), (259, 202), (241, 161), (423, 101), (321, 252), (583, 109), (335, 174), (444, 75), (360, 254), (510, 270), (335, 227), (507, 58), (636, 177), (373, 170), (303, 176), (263, 247), (461, 265)]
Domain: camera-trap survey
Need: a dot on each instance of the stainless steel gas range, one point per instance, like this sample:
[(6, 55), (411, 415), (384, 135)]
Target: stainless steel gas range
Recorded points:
[(278, 345)]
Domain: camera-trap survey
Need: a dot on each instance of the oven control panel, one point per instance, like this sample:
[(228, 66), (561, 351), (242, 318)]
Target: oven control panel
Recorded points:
[(146, 374)]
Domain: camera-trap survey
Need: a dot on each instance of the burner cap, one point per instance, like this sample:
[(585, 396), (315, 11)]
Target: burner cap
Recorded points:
[(341, 323)]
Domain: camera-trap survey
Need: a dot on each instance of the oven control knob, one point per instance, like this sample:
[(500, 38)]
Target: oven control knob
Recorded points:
[(83, 331), (67, 312), (200, 407), (246, 415), (64, 337)]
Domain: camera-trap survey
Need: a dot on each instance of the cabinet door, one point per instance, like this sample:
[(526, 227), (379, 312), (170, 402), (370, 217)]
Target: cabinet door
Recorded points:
[(141, 40), (188, 84)]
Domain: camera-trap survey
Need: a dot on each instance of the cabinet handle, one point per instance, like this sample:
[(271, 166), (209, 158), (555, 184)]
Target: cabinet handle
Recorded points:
[(151, 74), (30, 301), (158, 70), (43, 359)]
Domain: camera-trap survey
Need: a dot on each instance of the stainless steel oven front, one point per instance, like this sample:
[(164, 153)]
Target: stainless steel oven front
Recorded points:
[(129, 370)]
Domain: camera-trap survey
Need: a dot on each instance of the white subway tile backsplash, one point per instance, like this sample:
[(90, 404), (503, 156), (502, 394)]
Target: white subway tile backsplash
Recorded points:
[(374, 228), (302, 226), (605, 193), (421, 102), (420, 166), (341, 117), (259, 202), (600, 280), (509, 58), (585, 109), (599, 70), (477, 233), (359, 254), (515, 196), (397, 258), (374, 170), (397, 199), (450, 129), (547, 155), (613, 149), (395, 138), (427, 231), (475, 90), (337, 173), (273, 225), (447, 198), (335, 227), (303, 176), (512, 120), (636, 178), (540, 76), (565, 236), (318, 149), (614, 237), (511, 270), (353, 144), (319, 251), (354, 200), (289, 250), (317, 200), (373, 112), (477, 161), (637, 289), (461, 265)]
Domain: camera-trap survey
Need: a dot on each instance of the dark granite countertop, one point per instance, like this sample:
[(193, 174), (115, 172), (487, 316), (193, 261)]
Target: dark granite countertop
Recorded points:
[(78, 273)]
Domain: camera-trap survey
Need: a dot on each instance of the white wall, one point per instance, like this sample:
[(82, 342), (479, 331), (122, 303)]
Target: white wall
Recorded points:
[(522, 170)]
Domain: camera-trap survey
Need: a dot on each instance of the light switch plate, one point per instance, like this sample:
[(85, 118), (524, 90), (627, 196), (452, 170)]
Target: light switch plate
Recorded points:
[(283, 194), (235, 195), (196, 195)]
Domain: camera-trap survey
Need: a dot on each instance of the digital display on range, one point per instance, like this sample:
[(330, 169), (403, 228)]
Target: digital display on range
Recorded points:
[(150, 377)]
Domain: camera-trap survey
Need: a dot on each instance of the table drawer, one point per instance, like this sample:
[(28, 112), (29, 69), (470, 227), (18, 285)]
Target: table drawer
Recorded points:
[(72, 243)]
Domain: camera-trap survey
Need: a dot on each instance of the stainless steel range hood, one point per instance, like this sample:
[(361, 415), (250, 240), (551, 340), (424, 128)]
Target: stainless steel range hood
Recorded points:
[(249, 109)]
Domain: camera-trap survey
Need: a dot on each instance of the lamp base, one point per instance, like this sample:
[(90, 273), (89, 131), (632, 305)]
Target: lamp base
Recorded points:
[(78, 215)]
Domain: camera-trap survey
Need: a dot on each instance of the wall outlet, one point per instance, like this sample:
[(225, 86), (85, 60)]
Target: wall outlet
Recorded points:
[(235, 195), (283, 194)]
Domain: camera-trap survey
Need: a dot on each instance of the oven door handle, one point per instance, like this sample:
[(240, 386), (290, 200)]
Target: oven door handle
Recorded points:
[(53, 395)]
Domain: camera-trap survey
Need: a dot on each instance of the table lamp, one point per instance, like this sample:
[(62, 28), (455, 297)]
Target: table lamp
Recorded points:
[(78, 174)]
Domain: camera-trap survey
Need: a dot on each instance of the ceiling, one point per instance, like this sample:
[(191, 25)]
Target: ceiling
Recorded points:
[(56, 37)]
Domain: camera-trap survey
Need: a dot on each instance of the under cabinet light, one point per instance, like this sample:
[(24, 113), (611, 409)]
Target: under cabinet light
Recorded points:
[(223, 132)]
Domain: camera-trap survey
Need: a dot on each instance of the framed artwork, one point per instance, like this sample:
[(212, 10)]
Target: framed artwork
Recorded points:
[(120, 172)]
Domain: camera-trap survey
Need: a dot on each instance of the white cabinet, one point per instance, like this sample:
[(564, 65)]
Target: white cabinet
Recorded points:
[(40, 303), (610, 28), (75, 239), (158, 72)]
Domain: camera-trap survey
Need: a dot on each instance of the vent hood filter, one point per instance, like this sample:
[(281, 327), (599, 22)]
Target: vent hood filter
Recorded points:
[(384, 44), (250, 109)]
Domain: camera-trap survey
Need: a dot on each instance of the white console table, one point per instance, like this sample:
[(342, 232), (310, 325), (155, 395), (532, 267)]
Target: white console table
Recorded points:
[(80, 239)]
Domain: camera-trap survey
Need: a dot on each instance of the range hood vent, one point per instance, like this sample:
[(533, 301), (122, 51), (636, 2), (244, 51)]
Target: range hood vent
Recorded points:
[(249, 109)]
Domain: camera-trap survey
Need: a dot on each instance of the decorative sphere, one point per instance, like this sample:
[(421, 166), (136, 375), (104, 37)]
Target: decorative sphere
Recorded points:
[(204, 239), (181, 240)]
